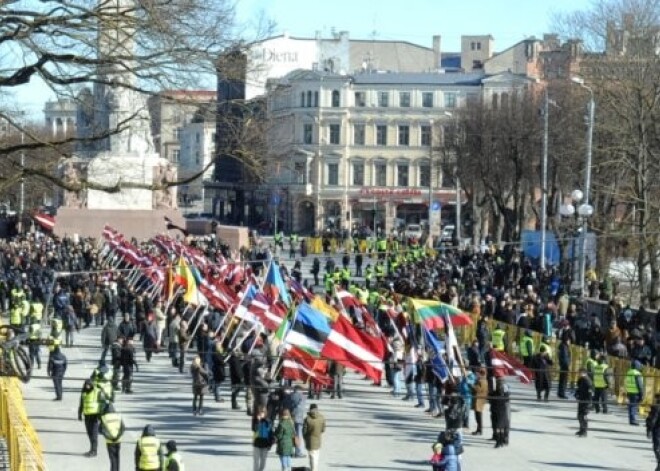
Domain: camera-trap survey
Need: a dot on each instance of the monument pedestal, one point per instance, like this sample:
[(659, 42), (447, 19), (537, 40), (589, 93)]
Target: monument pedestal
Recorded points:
[(141, 224)]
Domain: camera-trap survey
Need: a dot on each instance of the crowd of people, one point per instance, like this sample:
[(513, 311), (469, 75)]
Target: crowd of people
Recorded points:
[(497, 287)]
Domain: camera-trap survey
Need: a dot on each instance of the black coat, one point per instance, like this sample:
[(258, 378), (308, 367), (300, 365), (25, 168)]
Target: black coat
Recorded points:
[(57, 364), (542, 374), (500, 406)]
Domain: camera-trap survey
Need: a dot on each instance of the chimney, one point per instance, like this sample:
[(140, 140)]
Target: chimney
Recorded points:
[(437, 50)]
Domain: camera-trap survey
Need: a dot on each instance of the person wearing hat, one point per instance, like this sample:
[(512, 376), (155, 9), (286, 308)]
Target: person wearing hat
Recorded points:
[(56, 368), (90, 407), (634, 383), (173, 460), (499, 338), (148, 453), (527, 348), (200, 384), (602, 379), (583, 394), (112, 428)]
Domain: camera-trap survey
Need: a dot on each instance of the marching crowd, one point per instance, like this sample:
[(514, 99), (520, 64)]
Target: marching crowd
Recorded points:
[(498, 287)]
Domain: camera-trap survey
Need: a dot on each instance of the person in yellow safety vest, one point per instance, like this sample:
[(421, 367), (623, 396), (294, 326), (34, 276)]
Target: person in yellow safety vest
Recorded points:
[(380, 272), (55, 335), (148, 452), (499, 338), (527, 348), (25, 309), (591, 363), (34, 337), (336, 275), (368, 275), (635, 390), (381, 248), (545, 342), (112, 428), (329, 283), (102, 381), (395, 245), (16, 315), (363, 295), (345, 277), (173, 460), (601, 384), (394, 264), (37, 309), (17, 294), (90, 408)]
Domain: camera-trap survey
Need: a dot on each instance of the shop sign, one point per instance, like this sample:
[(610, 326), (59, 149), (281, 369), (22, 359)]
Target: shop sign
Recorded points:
[(391, 192)]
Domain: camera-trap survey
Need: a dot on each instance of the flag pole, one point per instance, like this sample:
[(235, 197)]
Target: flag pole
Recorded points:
[(199, 321)]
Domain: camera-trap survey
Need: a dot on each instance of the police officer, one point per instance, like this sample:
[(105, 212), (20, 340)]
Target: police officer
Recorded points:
[(102, 381), (148, 453), (591, 363), (545, 342), (499, 338), (635, 390), (583, 395), (112, 428), (368, 275), (16, 309), (34, 340), (527, 348), (173, 460), (601, 384), (345, 277), (90, 408), (380, 272), (56, 368)]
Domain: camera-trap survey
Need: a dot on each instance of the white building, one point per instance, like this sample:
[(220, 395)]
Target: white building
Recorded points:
[(60, 116), (356, 150), (197, 153)]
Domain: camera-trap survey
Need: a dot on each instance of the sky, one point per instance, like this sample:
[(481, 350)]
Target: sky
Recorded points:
[(508, 21)]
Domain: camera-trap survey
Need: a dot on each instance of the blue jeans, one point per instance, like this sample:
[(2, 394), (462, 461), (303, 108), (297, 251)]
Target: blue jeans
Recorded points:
[(433, 398), (633, 403), (396, 380), (419, 391), (299, 429), (285, 461)]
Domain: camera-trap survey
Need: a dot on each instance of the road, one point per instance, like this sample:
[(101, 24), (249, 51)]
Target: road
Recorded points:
[(367, 430)]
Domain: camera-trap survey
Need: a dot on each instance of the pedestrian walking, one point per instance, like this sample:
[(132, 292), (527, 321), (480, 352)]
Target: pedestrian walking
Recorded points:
[(262, 440), (602, 383), (564, 357), (480, 395), (200, 384), (128, 364), (90, 409), (653, 429), (583, 394), (635, 391), (285, 435), (70, 325), (501, 409), (543, 375), (56, 368), (112, 428), (313, 429)]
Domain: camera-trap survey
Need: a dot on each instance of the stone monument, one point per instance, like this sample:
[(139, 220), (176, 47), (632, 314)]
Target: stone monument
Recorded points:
[(124, 176)]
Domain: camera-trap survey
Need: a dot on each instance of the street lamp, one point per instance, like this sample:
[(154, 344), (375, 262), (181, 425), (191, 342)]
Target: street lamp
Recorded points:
[(581, 211), (591, 110)]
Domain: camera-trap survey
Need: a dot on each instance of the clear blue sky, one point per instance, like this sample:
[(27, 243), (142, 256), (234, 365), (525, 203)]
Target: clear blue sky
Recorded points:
[(416, 21)]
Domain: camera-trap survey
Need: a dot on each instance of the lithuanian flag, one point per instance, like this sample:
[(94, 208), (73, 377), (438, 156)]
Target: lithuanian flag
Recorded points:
[(431, 314)]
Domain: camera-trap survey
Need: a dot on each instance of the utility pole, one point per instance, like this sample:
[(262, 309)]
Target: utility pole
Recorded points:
[(544, 179), (21, 208)]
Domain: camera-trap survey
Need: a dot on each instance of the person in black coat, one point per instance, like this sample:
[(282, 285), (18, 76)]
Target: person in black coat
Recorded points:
[(316, 269), (541, 364), (56, 368), (127, 361), (653, 429), (501, 409), (583, 394), (474, 355), (217, 370)]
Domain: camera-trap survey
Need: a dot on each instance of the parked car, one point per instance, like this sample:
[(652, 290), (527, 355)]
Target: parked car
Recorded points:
[(447, 235), (413, 231)]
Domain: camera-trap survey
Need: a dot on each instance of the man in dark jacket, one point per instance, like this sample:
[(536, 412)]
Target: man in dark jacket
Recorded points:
[(564, 357), (56, 368), (583, 394), (541, 364), (128, 363), (127, 328), (109, 334), (653, 429)]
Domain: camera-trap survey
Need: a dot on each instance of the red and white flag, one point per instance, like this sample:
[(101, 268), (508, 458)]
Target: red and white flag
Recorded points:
[(355, 349), (44, 220), (270, 315), (504, 365), (298, 365)]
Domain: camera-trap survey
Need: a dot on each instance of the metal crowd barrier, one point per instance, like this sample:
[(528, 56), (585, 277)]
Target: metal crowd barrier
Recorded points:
[(25, 452)]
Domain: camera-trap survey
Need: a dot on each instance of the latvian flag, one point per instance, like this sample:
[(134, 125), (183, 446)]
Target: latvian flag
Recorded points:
[(298, 365), (45, 221), (504, 365), (270, 315)]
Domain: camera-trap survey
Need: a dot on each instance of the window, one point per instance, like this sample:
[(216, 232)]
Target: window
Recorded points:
[(360, 99), (176, 154), (426, 135), (427, 99), (381, 174), (308, 130), (404, 99), (383, 99), (479, 46), (381, 135), (309, 99), (404, 135), (358, 174), (424, 176), (197, 158), (402, 175), (198, 138), (177, 133), (302, 99), (300, 169), (316, 99), (334, 134), (473, 45), (335, 98), (358, 134), (333, 174), (450, 100)]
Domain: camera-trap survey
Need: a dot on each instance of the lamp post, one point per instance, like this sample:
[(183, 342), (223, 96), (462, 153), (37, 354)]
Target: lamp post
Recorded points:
[(591, 110), (544, 179), (581, 211)]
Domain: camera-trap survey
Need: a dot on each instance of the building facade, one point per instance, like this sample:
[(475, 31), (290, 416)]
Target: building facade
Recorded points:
[(197, 152), (361, 151), (60, 117)]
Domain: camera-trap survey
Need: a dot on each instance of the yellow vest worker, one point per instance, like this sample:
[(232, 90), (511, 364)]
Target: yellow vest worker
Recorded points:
[(632, 384), (148, 455), (498, 339), (37, 310), (526, 346), (90, 408), (600, 370), (173, 460), (112, 428)]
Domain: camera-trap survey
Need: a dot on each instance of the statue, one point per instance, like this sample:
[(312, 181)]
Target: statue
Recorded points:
[(71, 178), (165, 197)]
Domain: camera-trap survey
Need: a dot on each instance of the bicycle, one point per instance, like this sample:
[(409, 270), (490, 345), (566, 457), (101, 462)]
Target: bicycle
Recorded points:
[(14, 359)]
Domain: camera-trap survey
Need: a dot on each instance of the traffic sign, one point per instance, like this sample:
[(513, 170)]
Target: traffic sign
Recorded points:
[(436, 206), (275, 199)]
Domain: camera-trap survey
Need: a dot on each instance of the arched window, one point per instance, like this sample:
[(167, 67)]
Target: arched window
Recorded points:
[(309, 99), (495, 101), (316, 99), (302, 99), (335, 98)]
